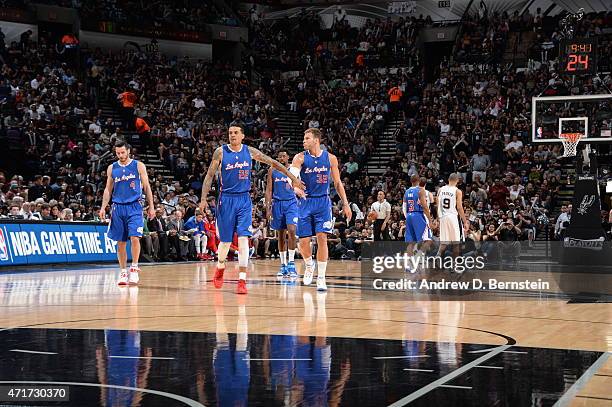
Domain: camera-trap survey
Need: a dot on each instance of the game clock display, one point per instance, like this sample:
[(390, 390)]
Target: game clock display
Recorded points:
[(579, 56)]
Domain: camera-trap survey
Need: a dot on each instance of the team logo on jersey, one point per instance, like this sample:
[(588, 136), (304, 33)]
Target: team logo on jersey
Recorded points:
[(241, 165), (139, 230), (587, 202), (282, 179), (125, 178), (327, 225), (315, 170), (4, 253), (295, 220)]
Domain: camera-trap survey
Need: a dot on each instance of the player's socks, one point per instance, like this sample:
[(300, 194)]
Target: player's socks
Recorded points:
[(291, 255), (321, 269), (309, 272), (283, 257)]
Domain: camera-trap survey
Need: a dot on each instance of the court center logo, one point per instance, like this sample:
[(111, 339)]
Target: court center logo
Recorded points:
[(587, 202)]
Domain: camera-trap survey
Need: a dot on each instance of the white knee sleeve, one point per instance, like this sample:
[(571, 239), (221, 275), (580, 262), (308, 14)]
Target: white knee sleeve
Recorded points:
[(223, 251), (243, 251)]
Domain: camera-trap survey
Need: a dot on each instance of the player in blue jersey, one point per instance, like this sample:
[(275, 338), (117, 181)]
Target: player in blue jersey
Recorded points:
[(234, 211), (282, 212), (315, 167), (125, 180), (418, 216)]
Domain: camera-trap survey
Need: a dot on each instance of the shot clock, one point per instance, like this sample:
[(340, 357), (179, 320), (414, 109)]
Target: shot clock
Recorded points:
[(579, 56)]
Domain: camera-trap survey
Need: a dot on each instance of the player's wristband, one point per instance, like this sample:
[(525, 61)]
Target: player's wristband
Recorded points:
[(295, 171)]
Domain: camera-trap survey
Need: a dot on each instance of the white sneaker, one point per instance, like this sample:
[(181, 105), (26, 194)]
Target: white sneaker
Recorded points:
[(321, 286), (123, 278), (134, 277), (308, 275)]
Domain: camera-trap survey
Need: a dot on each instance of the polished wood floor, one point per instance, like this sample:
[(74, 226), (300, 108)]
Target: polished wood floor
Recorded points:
[(181, 297)]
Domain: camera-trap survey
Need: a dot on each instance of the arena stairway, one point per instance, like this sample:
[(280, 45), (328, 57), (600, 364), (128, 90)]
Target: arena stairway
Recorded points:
[(148, 157), (290, 125), (385, 150), (519, 46)]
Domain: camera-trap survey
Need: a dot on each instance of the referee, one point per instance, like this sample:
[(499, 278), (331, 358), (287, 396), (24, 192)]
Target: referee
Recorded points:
[(383, 214)]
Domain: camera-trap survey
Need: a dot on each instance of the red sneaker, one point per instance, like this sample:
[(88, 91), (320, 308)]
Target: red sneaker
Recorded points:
[(218, 278), (241, 289)]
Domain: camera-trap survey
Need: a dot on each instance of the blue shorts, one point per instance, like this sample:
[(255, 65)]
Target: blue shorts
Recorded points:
[(126, 221), (284, 213), (315, 216), (234, 215), (417, 228)]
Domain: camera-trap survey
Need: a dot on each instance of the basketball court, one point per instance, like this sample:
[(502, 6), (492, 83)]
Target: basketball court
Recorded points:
[(176, 340)]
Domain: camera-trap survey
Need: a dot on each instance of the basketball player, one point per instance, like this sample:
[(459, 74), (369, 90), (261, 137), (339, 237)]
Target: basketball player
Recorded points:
[(125, 180), (315, 166), (418, 217), (234, 210), (282, 212), (450, 208), (429, 197)]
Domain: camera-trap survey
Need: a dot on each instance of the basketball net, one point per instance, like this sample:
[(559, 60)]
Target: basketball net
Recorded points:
[(570, 141)]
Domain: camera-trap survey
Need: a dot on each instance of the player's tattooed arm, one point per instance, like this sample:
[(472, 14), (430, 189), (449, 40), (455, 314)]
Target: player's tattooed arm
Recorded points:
[(263, 158), (210, 174), (335, 174)]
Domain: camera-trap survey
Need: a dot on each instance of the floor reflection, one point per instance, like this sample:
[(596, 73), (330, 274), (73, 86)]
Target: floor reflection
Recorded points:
[(233, 368)]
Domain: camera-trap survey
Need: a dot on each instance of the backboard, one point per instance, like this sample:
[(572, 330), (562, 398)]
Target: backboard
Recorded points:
[(590, 115)]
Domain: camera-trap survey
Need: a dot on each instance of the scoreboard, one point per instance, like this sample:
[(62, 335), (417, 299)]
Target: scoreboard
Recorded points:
[(579, 56)]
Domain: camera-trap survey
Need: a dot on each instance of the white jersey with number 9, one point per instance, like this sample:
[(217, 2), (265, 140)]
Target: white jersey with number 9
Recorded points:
[(447, 201)]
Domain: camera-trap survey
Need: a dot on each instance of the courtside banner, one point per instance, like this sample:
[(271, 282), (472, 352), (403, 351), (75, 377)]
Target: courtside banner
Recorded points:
[(29, 243)]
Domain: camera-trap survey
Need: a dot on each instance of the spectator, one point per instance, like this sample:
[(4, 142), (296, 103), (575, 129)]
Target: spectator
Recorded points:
[(508, 236), (562, 222)]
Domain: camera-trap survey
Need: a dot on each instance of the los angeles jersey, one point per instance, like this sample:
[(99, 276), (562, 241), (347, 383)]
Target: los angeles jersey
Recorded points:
[(316, 173), (447, 201), (411, 199), (127, 187), (236, 170), (282, 188)]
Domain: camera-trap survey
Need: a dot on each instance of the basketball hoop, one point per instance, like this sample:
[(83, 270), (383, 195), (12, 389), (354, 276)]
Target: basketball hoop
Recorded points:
[(570, 141)]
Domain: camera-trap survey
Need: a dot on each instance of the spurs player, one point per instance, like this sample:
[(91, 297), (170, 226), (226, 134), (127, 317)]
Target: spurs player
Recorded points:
[(450, 209)]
